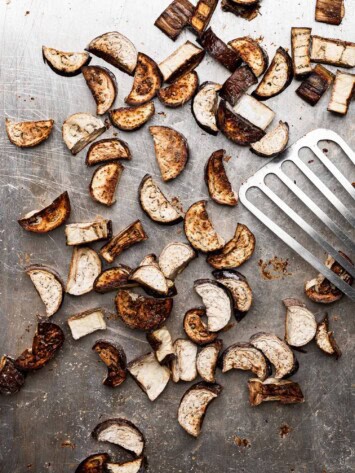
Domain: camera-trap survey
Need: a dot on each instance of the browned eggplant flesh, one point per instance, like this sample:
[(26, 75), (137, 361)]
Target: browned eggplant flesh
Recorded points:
[(114, 358), (11, 379), (81, 129), (104, 183), (87, 322), (286, 392), (132, 118), (180, 91), (49, 286), (147, 81), (120, 432), (342, 93), (175, 17), (113, 278), (219, 50), (206, 361), (239, 288), (315, 85), (237, 84), (249, 50), (65, 63), (330, 11), (301, 43), (273, 143), (28, 134), (105, 150), (333, 51), (219, 186), (325, 339), (300, 325), (246, 10), (202, 15), (88, 232), (243, 356), (196, 329), (95, 463), (102, 85), (185, 59), (204, 107)]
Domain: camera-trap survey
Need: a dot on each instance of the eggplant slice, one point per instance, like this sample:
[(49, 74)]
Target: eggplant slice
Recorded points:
[(237, 84), (171, 151), (103, 86), (248, 11), (150, 376), (249, 50), (88, 232), (95, 463), (115, 49), (219, 186), (243, 356), (273, 143), (28, 134), (315, 85), (49, 286), (132, 118), (330, 11), (86, 323), (254, 111), (65, 63), (236, 252), (147, 81), (194, 404), (199, 229), (104, 183), (151, 277), (204, 107), (174, 18), (185, 59), (85, 266), (202, 15), (105, 150), (11, 379), (333, 51), (113, 278), (277, 78), (325, 339), (180, 91), (81, 129), (174, 258), (218, 49), (196, 329), (120, 432), (114, 358), (342, 93), (49, 218), (133, 466), (301, 43), (183, 366), (301, 325), (161, 342), (286, 392), (207, 361)]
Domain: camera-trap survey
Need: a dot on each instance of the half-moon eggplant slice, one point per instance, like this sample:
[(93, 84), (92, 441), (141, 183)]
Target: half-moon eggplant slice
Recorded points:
[(85, 266), (204, 107), (116, 49), (174, 258), (219, 50), (95, 463), (207, 361), (175, 17), (194, 404), (114, 358), (151, 277), (104, 183), (254, 111), (185, 59), (140, 312), (301, 43), (133, 466), (120, 432), (183, 366), (11, 379), (219, 186), (132, 118), (199, 229), (113, 278), (325, 339), (81, 129), (161, 342), (88, 232), (315, 85), (147, 81), (243, 356), (202, 15), (277, 78), (49, 218), (196, 329), (108, 149), (333, 51), (180, 91), (342, 93), (250, 51), (330, 11), (103, 86), (49, 286), (286, 392), (86, 323), (65, 63), (241, 9), (28, 134), (273, 143), (238, 250), (237, 84), (300, 325)]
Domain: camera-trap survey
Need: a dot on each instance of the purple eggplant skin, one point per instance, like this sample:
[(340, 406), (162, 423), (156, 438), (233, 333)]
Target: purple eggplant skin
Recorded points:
[(237, 84), (219, 50)]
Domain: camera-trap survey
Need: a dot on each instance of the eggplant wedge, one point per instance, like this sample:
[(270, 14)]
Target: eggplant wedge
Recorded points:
[(300, 325), (342, 93), (196, 329), (105, 150), (85, 266), (115, 49), (28, 134), (333, 51), (248, 11), (254, 111), (249, 50), (132, 118), (49, 286), (301, 58), (277, 352), (65, 63), (156, 205), (285, 392), (204, 107), (218, 49), (171, 151), (206, 362), (150, 260), (219, 186), (140, 312), (218, 302), (113, 278), (120, 432), (81, 129), (183, 60), (150, 376), (88, 232), (236, 252), (103, 86), (202, 15), (151, 277), (86, 323), (315, 85), (243, 356), (180, 91), (104, 183), (133, 466), (330, 11), (236, 128), (174, 258), (237, 84), (48, 340), (277, 78), (174, 18), (273, 143), (49, 218), (114, 358), (325, 339), (95, 463), (199, 229), (147, 81), (161, 342), (183, 366), (194, 404), (11, 379)]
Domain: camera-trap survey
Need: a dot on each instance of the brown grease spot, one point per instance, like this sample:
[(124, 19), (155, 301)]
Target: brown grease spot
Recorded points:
[(284, 430), (240, 442), (275, 268), (68, 444)]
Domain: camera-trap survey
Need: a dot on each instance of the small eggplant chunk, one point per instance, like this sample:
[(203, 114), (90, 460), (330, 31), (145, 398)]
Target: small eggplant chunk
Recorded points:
[(185, 59), (65, 63), (325, 339), (277, 78), (88, 232), (106, 150), (114, 358), (204, 107), (254, 111), (207, 361), (315, 85), (162, 344), (11, 379), (333, 51), (243, 356), (81, 129), (202, 15), (301, 59), (87, 322), (95, 463), (132, 118), (218, 301), (28, 134), (140, 312), (113, 278), (194, 404), (219, 50), (330, 11), (120, 432), (104, 183), (183, 366), (342, 93), (49, 286), (171, 151), (133, 466), (180, 91), (174, 259), (103, 86), (301, 325), (150, 376), (246, 10), (219, 186), (249, 50), (196, 329), (237, 84), (277, 352), (174, 18), (236, 252), (128, 237), (115, 49), (286, 392), (273, 143), (48, 339), (150, 259), (147, 81), (85, 266), (49, 218), (151, 277)]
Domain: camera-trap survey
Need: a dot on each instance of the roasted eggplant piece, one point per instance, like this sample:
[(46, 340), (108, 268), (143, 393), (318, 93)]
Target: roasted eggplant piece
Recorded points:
[(140, 312), (171, 151), (218, 302), (149, 260), (314, 86), (174, 258), (174, 18), (48, 218), (81, 129), (342, 93), (286, 392), (132, 118), (87, 322), (114, 358), (243, 356), (103, 86), (277, 352), (105, 150), (28, 134), (85, 266), (239, 288), (273, 143), (180, 91), (330, 11), (254, 111), (133, 466), (300, 325), (115, 49), (237, 84), (245, 10), (49, 286), (104, 182), (48, 339), (219, 186), (199, 229), (150, 376), (147, 81), (151, 277), (196, 329), (65, 63), (193, 406), (236, 251), (325, 339), (113, 278), (207, 361), (88, 232), (333, 51), (249, 50), (183, 366), (219, 50), (162, 344), (11, 379), (95, 463), (301, 59), (185, 59), (204, 107), (120, 432), (202, 15)]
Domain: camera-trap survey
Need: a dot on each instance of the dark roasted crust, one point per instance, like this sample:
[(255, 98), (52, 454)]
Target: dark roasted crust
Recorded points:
[(246, 11), (174, 18), (94, 463), (64, 73), (115, 359), (289, 393), (180, 91), (218, 184), (110, 185), (315, 85), (11, 379), (247, 54), (90, 162), (325, 325), (119, 280), (107, 423), (204, 127), (219, 50), (44, 127), (156, 344), (92, 75), (147, 81), (237, 84), (330, 11), (117, 116), (202, 15), (195, 329)]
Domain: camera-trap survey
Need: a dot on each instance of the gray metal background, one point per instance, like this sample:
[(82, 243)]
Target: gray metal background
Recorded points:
[(63, 402)]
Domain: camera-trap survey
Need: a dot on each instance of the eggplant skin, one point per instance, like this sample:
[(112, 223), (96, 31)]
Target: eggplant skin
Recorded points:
[(112, 279), (219, 50), (330, 11), (249, 50), (180, 91), (147, 81), (28, 134), (286, 392), (174, 18), (237, 84), (195, 329), (115, 359), (103, 86), (207, 96), (219, 186), (248, 11), (11, 379), (94, 463), (202, 15), (66, 70), (107, 149), (312, 89), (119, 424)]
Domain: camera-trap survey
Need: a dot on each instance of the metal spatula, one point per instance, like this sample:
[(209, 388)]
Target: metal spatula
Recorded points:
[(275, 167)]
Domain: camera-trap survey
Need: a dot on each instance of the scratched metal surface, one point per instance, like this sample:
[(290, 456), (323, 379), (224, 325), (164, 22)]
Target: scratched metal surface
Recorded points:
[(46, 427)]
